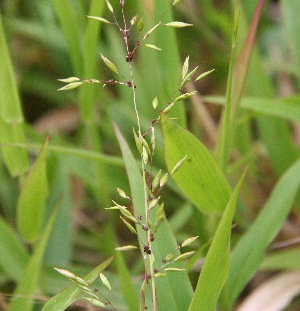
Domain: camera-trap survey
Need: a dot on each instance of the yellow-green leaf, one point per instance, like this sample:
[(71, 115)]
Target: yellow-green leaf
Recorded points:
[(200, 178)]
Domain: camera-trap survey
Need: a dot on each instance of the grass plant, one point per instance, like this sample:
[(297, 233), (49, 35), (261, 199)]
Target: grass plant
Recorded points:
[(132, 205)]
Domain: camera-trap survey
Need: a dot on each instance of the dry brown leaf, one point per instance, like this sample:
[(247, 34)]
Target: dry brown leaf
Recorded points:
[(274, 294)]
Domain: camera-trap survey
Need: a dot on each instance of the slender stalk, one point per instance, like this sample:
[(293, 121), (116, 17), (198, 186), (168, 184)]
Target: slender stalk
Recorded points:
[(145, 185), (226, 127)]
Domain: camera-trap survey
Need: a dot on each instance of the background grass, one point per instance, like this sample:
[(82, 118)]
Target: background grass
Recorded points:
[(47, 40)]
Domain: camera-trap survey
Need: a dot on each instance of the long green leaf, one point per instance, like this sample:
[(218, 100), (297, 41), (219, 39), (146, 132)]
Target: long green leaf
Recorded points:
[(199, 177), (216, 265), (11, 117), (282, 260), (290, 9), (67, 18), (286, 108), (32, 199), (13, 257), (65, 298), (9, 98), (26, 288), (87, 93), (226, 133), (248, 252), (174, 291)]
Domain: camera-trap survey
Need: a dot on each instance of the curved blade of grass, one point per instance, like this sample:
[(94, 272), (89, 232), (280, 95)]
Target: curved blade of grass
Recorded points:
[(10, 103), (65, 298), (199, 177), (286, 108), (274, 133), (282, 260), (11, 117), (216, 265), (225, 140), (13, 257), (24, 293), (72, 152), (32, 199), (174, 291), (248, 252), (240, 75)]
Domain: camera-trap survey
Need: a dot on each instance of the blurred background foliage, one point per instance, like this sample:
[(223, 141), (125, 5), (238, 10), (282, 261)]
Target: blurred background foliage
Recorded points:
[(49, 40)]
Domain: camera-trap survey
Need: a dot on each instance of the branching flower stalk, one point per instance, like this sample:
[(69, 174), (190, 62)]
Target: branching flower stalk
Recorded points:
[(152, 186)]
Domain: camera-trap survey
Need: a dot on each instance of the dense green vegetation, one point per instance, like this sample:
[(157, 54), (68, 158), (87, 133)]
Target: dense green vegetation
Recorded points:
[(228, 142)]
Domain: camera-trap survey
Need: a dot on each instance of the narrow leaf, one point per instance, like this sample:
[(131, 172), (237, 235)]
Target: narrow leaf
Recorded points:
[(13, 257), (26, 288), (216, 265), (249, 251), (32, 199)]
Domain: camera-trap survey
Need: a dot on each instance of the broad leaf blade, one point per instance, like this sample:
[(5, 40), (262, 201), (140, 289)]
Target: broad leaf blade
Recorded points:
[(32, 200), (199, 178), (65, 298), (249, 251), (216, 265)]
